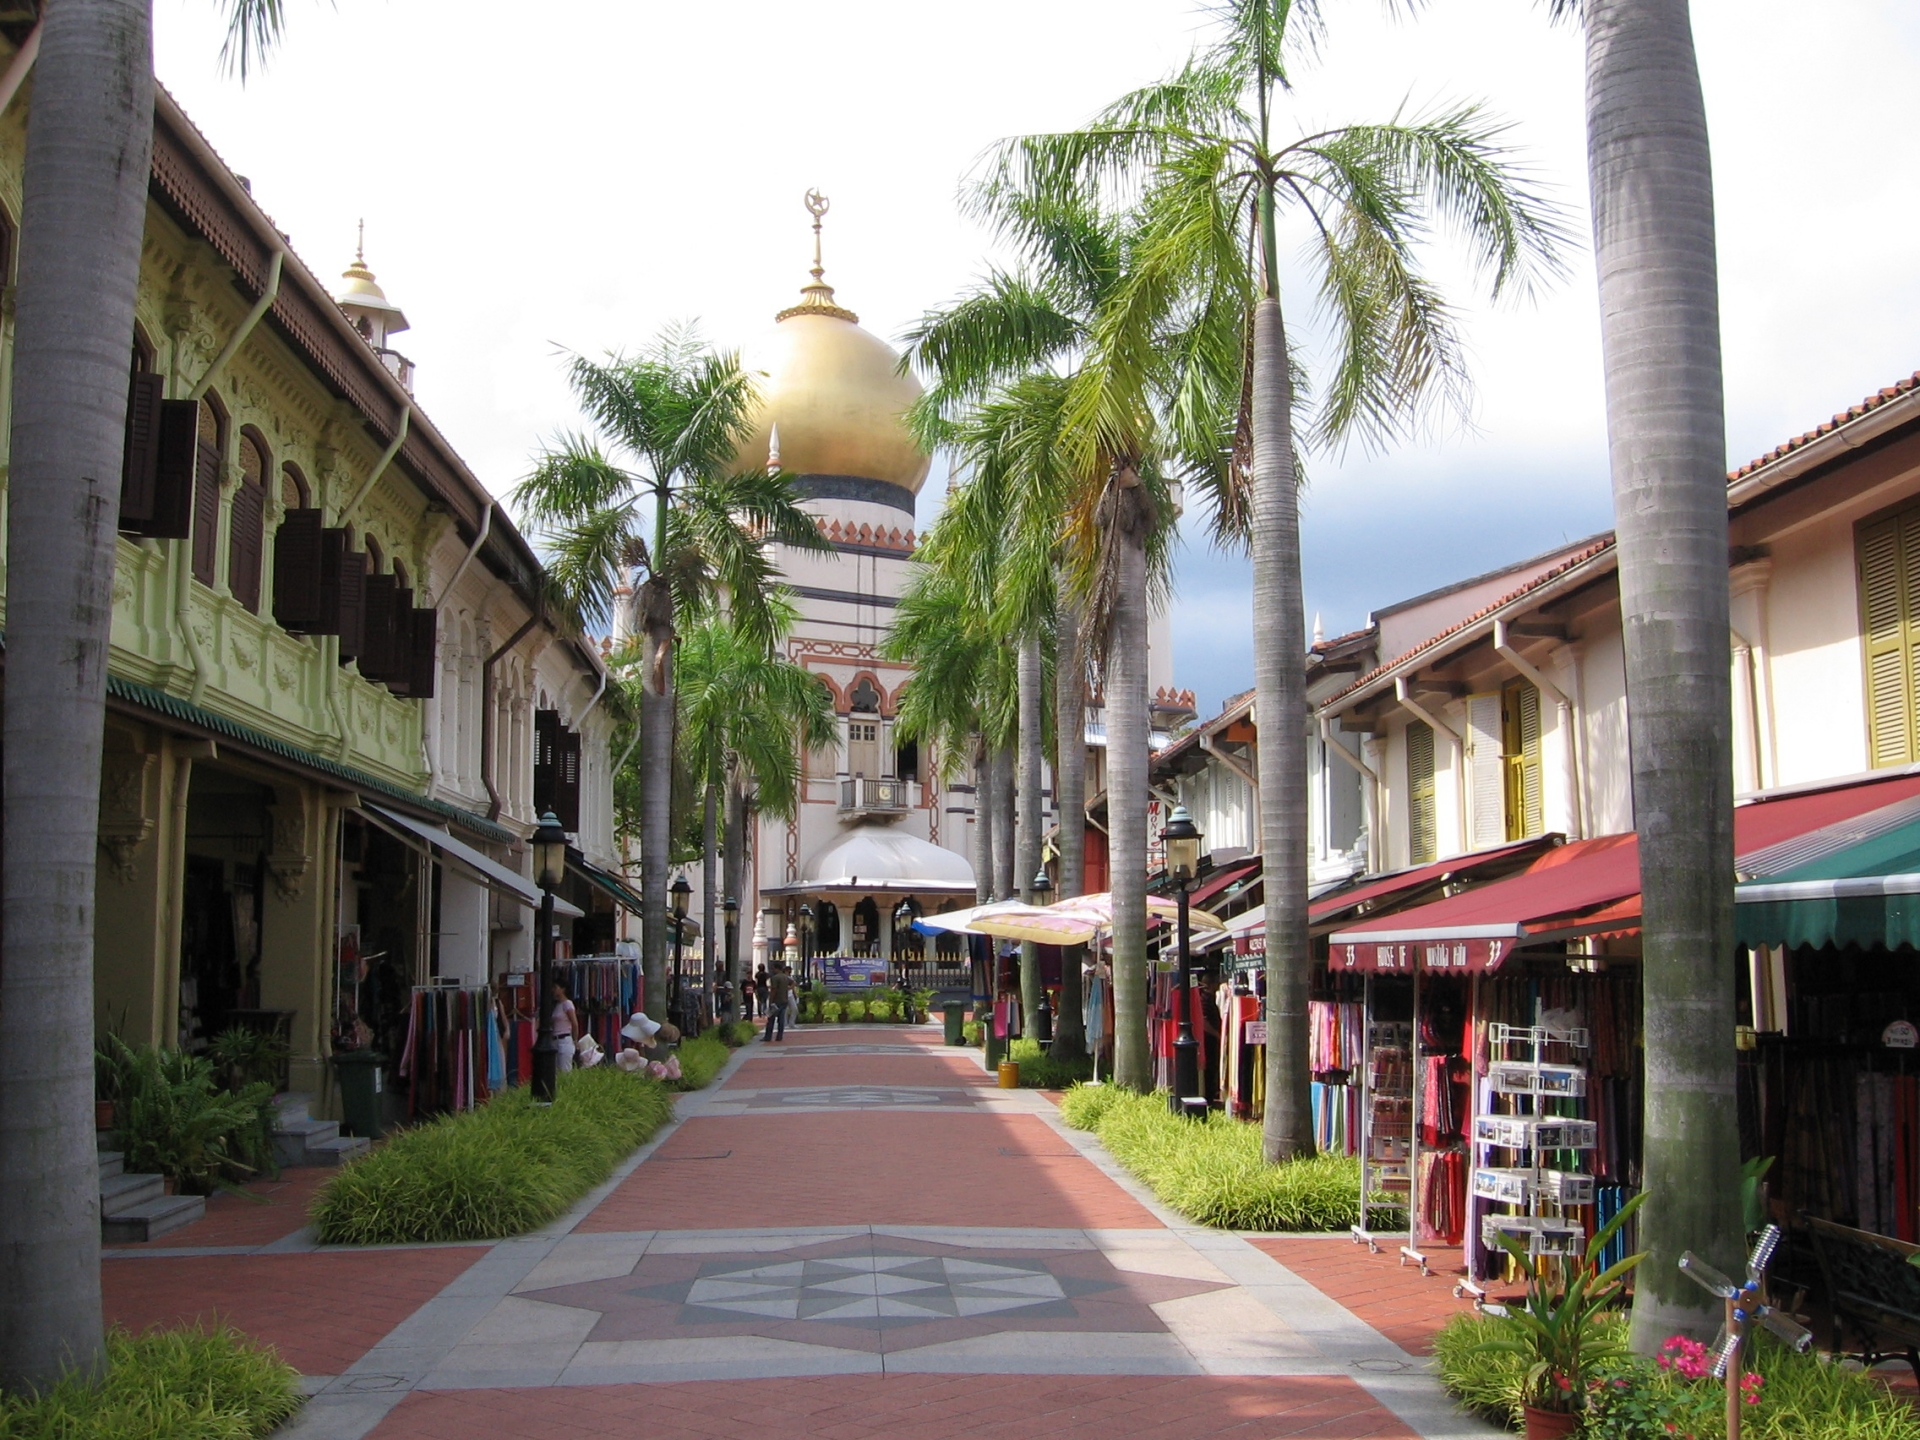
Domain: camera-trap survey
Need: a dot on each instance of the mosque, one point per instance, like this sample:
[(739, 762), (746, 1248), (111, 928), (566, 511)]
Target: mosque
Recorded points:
[(878, 838)]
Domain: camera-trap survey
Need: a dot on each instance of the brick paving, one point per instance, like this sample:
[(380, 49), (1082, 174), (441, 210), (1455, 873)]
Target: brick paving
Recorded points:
[(262, 1213), (874, 1166), (1397, 1300), (321, 1311), (825, 1069), (924, 1407)]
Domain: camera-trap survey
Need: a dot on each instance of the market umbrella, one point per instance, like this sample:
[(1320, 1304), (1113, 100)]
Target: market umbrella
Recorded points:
[(962, 922), (1099, 910)]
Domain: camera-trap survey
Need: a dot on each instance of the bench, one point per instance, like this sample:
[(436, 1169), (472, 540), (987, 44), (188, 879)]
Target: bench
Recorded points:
[(1872, 1288)]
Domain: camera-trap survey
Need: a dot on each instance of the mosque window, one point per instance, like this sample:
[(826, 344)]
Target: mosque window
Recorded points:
[(866, 697)]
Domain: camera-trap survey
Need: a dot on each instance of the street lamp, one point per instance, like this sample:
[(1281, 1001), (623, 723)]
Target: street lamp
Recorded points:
[(1181, 839), (731, 908), (1042, 890), (549, 870), (679, 890)]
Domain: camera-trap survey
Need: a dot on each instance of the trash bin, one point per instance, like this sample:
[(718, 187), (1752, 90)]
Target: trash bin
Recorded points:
[(956, 1012), (362, 1076), (1009, 1074), (994, 1046)]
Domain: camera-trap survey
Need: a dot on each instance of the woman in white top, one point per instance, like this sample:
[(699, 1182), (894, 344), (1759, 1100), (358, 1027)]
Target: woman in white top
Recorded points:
[(566, 1026)]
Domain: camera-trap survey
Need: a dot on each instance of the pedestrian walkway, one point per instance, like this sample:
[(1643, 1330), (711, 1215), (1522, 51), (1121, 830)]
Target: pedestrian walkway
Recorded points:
[(853, 1233)]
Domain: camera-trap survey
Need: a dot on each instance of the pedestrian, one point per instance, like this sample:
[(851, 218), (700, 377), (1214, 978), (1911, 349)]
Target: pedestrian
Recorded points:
[(722, 994), (746, 994), (793, 995), (566, 1026), (779, 992), (761, 988)]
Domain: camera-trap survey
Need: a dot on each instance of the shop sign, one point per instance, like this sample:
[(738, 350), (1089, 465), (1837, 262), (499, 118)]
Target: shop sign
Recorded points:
[(1255, 1032), (1900, 1035), (1435, 956), (1252, 943)]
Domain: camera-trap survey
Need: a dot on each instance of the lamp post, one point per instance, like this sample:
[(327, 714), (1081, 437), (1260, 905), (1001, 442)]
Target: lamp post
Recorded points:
[(549, 869), (1042, 888), (1181, 839), (679, 890), (730, 907)]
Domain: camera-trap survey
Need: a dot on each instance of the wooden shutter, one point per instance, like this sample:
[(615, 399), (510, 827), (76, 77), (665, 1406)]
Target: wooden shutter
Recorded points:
[(174, 478), (1886, 561), (546, 728), (297, 547), (247, 526), (566, 779), (206, 498), (1486, 772), (1422, 833), (1520, 755), (399, 677), (376, 646), (349, 594), (140, 458), (423, 654)]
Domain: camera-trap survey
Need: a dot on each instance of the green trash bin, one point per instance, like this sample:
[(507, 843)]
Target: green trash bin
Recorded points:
[(362, 1076), (956, 1012)]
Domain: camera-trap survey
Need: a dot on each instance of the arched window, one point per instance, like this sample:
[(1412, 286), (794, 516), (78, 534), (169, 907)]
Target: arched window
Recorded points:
[(143, 352), (866, 696), (400, 574), (210, 460), (247, 527), (294, 494), (375, 556), (863, 730)]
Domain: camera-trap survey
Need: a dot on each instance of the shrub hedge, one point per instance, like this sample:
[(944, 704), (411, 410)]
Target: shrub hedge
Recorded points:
[(1039, 1070), (1212, 1171), (503, 1169), (191, 1384), (700, 1061)]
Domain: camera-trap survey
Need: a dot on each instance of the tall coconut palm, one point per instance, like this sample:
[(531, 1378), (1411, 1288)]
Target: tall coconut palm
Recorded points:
[(1213, 183), (748, 717), (82, 217), (663, 502)]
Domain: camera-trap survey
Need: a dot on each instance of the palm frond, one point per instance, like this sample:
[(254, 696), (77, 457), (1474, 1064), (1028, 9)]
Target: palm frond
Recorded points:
[(254, 28), (570, 482)]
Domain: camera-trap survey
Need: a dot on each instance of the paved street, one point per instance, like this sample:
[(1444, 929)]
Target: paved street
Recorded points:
[(852, 1233)]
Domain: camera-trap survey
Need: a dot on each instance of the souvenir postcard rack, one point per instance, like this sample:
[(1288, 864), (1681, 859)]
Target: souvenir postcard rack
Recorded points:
[(1522, 1150), (1386, 1118)]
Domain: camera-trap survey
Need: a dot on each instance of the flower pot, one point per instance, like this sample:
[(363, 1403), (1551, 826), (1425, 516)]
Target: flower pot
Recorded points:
[(104, 1114), (1550, 1424)]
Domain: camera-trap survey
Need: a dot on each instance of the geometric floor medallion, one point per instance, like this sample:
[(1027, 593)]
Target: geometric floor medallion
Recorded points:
[(865, 1289)]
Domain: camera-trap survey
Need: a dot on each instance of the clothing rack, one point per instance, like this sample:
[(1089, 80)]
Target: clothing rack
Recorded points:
[(451, 1050), (1386, 1114)]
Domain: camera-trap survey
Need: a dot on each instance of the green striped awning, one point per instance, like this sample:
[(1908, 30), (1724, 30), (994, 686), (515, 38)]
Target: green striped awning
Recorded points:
[(1864, 896)]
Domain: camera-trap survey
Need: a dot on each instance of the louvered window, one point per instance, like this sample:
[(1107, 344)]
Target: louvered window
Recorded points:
[(1888, 561), (208, 460), (424, 653), (546, 727), (247, 525), (298, 547), (376, 646), (1486, 772), (343, 591), (1520, 751), (140, 461), (1422, 831)]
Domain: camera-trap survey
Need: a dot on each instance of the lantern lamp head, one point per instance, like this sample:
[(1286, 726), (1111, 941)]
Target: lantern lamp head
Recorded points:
[(1182, 841), (680, 890), (549, 853)]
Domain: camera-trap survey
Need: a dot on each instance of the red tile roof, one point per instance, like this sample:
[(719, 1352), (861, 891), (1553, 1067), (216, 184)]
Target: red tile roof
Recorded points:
[(1871, 403)]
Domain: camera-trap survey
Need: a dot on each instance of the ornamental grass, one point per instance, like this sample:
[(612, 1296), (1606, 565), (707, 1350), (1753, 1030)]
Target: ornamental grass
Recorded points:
[(189, 1384), (700, 1061), (1798, 1397), (1212, 1170), (503, 1169)]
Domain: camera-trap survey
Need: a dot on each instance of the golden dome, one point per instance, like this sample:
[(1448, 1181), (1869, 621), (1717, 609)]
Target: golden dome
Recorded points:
[(834, 391)]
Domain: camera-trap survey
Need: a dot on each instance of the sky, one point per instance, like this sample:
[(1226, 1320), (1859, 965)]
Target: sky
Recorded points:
[(575, 184)]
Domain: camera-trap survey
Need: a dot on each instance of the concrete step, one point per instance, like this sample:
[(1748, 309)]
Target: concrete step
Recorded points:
[(296, 1142), (112, 1162), (151, 1219), (122, 1192), (293, 1105), (337, 1151)]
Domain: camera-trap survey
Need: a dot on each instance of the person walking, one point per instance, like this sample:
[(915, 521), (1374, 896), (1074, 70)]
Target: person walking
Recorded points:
[(793, 995), (762, 988), (779, 991), (746, 995), (566, 1026)]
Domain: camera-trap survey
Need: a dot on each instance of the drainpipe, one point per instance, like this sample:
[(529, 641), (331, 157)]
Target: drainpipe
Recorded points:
[(380, 467), (1746, 717), (1369, 792), (494, 803), (1246, 774), (486, 524), (1420, 712), (1546, 687), (582, 718), (183, 589), (239, 336), (23, 59)]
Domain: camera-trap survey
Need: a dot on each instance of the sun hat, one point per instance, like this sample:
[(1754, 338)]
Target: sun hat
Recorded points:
[(629, 1060), (640, 1027)]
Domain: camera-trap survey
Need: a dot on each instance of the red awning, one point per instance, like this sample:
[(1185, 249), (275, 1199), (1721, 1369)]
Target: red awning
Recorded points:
[(1407, 886), (1220, 879), (1589, 887)]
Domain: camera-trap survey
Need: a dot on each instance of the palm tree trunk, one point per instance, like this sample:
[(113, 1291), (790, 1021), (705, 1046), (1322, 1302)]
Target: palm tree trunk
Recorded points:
[(709, 875), (1128, 738), (1032, 679), (735, 871), (89, 138), (1070, 802), (1279, 671), (1003, 837), (1652, 190), (982, 822)]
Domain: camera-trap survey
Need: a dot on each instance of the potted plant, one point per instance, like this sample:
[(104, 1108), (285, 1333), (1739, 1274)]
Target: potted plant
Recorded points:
[(856, 1009), (1561, 1332), (830, 1012), (879, 1010)]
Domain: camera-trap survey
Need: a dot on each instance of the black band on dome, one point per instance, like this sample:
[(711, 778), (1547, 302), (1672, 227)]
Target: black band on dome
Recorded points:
[(853, 487)]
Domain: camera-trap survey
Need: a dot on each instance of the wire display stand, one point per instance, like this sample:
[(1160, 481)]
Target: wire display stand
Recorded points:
[(1518, 1151), (1386, 1119)]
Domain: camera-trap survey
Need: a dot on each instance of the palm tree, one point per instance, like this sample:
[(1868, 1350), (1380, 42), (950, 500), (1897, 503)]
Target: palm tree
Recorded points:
[(678, 513), (1212, 181), (82, 218), (742, 709)]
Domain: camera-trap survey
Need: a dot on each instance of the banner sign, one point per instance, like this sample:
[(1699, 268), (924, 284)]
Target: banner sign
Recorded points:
[(841, 972), (1251, 943), (1403, 957)]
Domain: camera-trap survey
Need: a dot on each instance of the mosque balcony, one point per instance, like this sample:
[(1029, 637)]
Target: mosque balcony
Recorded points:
[(860, 795)]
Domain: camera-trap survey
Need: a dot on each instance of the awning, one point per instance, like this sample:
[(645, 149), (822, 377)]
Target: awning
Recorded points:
[(608, 884), (1228, 874), (1404, 887), (1586, 888), (483, 868), (1865, 894)]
